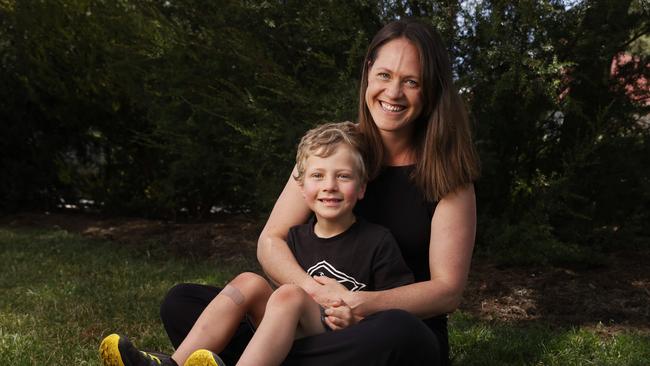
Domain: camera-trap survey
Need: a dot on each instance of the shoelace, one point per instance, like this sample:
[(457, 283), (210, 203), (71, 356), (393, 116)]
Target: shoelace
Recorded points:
[(151, 357)]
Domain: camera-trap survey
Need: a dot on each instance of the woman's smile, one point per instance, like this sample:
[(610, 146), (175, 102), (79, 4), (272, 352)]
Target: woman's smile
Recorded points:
[(392, 108)]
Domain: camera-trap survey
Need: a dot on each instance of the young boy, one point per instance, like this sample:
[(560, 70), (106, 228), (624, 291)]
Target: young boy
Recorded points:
[(334, 243)]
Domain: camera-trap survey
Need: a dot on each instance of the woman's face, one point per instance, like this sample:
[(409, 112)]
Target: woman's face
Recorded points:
[(394, 95)]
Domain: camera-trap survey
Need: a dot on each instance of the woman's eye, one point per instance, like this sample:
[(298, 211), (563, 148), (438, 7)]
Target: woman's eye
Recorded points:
[(383, 76), (412, 83)]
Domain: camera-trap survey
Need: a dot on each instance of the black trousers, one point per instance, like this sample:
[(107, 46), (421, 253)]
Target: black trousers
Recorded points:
[(393, 337)]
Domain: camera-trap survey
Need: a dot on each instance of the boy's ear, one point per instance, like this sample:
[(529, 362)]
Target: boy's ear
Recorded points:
[(362, 191)]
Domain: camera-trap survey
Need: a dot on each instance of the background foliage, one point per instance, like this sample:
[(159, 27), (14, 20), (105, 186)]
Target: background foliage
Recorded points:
[(182, 108)]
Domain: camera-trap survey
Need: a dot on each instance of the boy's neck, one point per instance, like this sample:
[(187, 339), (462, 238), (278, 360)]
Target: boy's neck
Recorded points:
[(327, 228)]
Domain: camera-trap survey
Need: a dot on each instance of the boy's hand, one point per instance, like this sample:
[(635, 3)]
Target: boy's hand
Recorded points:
[(340, 315)]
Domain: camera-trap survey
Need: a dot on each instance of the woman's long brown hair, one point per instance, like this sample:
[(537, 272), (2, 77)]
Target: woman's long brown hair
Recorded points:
[(445, 156)]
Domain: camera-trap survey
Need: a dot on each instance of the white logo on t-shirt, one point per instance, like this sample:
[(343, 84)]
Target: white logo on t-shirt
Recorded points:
[(323, 268)]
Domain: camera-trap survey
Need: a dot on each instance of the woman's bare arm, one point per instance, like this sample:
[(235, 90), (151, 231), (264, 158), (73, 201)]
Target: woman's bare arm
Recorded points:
[(272, 251), (453, 230)]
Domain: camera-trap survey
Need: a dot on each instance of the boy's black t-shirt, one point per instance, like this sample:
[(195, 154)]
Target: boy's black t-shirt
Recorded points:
[(364, 257)]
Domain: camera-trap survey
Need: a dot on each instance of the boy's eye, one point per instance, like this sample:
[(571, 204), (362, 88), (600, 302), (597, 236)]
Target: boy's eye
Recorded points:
[(316, 175), (345, 176)]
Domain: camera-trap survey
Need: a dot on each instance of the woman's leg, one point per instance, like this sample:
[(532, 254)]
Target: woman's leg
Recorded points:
[(400, 338), (392, 337), (182, 306), (290, 313), (245, 294)]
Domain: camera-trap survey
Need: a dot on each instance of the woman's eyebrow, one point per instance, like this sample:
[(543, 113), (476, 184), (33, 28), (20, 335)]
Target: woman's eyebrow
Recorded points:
[(385, 69)]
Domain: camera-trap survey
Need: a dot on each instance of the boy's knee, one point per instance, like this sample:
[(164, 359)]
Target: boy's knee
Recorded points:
[(247, 287), (250, 282), (248, 278), (289, 295)]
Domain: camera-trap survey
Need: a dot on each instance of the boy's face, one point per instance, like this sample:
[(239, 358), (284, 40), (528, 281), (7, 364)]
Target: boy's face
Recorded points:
[(331, 185)]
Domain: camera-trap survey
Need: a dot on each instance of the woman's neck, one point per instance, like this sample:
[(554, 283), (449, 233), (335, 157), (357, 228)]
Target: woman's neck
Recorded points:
[(398, 149)]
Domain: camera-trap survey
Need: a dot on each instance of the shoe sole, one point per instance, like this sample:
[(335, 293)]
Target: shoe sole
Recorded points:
[(109, 351), (202, 357)]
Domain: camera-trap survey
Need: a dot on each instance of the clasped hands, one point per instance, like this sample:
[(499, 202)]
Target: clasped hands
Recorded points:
[(331, 295)]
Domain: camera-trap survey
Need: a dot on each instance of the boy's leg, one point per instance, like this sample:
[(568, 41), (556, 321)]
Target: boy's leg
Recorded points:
[(290, 314), (182, 306), (246, 293)]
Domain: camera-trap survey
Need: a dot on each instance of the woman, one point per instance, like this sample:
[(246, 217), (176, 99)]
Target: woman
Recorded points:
[(423, 164)]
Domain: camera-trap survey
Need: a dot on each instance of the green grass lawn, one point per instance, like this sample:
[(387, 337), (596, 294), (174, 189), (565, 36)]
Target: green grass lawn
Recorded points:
[(61, 293)]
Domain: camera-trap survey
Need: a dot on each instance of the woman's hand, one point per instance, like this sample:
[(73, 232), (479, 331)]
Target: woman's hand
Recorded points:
[(340, 315), (328, 291)]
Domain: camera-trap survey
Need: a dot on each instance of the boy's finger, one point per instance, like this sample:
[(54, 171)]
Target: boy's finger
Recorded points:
[(338, 309), (331, 324)]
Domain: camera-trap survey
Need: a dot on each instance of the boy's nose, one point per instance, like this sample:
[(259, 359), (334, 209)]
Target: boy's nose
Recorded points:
[(330, 184)]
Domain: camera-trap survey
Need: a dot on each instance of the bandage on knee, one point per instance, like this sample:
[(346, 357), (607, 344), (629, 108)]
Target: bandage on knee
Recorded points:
[(234, 294)]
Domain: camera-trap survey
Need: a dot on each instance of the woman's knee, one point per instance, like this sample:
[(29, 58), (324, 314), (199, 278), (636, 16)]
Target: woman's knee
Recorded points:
[(181, 306), (401, 327), (175, 299)]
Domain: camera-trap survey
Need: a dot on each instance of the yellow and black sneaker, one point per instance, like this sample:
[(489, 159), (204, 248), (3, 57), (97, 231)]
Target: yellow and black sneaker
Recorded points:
[(203, 357), (117, 350)]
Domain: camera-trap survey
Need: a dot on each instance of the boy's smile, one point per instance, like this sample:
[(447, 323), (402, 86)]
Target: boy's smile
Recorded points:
[(330, 202)]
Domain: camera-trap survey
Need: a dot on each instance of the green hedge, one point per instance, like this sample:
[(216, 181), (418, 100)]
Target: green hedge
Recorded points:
[(182, 108)]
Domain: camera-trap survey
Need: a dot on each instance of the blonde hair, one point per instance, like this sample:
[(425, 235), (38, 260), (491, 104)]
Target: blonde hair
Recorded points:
[(445, 156), (323, 141)]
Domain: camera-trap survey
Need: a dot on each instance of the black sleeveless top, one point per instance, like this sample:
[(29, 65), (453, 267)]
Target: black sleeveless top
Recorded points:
[(393, 201)]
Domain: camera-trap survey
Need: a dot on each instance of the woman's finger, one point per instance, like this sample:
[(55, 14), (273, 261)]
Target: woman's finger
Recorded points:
[(324, 280)]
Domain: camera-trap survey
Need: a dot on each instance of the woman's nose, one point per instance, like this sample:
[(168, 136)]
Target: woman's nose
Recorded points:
[(394, 89)]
